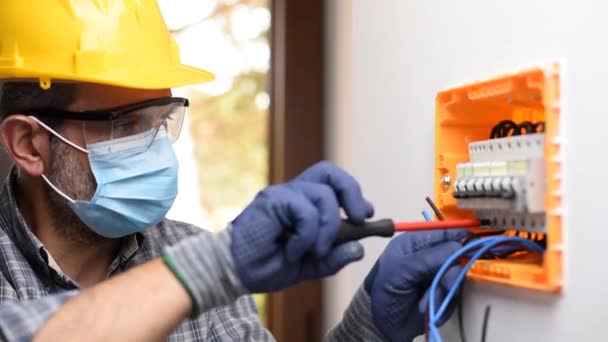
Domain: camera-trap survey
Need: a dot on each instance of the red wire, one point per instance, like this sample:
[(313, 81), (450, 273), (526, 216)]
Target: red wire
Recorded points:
[(447, 224)]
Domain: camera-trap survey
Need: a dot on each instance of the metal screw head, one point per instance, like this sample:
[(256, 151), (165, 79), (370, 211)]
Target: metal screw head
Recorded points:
[(446, 180)]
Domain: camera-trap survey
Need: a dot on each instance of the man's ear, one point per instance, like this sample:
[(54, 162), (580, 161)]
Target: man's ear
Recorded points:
[(26, 142)]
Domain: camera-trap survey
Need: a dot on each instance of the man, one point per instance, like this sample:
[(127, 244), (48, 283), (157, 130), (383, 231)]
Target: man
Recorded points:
[(85, 251)]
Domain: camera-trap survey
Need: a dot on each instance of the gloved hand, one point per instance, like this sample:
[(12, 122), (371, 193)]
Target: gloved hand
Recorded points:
[(286, 234), (399, 281)]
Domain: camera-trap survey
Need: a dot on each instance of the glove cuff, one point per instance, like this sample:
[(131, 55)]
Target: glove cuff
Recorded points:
[(204, 266)]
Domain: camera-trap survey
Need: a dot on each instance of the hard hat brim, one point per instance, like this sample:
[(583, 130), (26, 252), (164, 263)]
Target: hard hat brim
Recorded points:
[(158, 77)]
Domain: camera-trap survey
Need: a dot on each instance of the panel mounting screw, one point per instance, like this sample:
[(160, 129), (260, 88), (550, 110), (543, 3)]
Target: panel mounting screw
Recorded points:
[(446, 180)]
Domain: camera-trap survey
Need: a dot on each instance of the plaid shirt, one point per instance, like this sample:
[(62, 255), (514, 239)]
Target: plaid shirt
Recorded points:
[(32, 285)]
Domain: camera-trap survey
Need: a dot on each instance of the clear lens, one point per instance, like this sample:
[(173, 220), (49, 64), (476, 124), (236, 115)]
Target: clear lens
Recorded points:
[(148, 119)]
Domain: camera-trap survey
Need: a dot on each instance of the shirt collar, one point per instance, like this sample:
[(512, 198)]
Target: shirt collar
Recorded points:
[(131, 245)]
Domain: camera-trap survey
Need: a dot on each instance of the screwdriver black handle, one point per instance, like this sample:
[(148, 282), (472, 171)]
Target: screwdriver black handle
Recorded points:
[(351, 232)]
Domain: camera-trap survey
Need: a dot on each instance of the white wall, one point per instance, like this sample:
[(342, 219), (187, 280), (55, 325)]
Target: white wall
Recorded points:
[(338, 72), (403, 52)]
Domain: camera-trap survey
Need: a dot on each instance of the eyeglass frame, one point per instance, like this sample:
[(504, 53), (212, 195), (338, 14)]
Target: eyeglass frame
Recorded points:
[(106, 114)]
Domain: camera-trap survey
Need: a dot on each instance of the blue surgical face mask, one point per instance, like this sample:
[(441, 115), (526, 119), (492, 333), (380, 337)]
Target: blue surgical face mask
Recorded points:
[(136, 183)]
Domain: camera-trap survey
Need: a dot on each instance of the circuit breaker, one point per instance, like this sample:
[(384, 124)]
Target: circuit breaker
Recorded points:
[(498, 158)]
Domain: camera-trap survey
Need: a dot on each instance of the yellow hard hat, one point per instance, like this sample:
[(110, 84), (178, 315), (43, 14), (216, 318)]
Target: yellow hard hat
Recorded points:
[(116, 42)]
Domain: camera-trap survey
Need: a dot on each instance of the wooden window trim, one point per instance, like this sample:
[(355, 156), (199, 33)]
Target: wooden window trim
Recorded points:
[(296, 83)]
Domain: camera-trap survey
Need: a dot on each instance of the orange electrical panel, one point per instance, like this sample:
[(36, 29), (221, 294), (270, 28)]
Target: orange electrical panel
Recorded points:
[(467, 114)]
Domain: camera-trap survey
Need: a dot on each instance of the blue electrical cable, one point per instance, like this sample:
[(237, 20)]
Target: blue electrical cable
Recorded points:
[(489, 244), (485, 244), (435, 336), (426, 215), (505, 250)]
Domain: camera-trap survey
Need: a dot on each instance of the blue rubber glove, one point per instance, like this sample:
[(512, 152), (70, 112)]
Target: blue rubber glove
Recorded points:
[(286, 234), (399, 281)]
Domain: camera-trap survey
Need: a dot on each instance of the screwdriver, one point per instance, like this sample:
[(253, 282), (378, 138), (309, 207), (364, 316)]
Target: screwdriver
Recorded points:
[(387, 228)]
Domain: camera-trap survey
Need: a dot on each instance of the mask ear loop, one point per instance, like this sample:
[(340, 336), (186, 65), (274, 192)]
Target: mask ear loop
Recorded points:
[(59, 135), (61, 193)]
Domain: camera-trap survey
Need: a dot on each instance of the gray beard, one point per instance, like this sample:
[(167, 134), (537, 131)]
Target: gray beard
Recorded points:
[(77, 184)]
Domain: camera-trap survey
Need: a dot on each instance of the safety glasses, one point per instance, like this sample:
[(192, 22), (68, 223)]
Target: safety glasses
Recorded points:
[(127, 121)]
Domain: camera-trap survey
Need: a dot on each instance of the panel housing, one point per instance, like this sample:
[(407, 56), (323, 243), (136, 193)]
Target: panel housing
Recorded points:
[(464, 118)]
